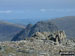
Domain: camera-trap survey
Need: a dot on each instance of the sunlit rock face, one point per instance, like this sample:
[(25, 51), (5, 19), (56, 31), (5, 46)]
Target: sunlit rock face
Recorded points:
[(58, 36)]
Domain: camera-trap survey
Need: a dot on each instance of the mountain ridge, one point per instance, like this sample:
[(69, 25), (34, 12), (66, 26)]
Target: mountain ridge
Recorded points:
[(41, 26)]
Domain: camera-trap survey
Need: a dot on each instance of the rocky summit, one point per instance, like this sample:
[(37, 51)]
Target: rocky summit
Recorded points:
[(40, 44)]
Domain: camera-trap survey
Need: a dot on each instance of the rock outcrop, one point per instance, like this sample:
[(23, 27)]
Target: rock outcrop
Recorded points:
[(58, 36)]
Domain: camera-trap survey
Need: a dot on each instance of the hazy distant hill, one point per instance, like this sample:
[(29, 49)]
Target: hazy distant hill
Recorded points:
[(41, 26), (8, 30), (66, 23), (23, 21)]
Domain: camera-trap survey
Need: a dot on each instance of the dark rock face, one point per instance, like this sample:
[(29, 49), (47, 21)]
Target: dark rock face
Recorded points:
[(22, 34), (43, 27), (38, 27)]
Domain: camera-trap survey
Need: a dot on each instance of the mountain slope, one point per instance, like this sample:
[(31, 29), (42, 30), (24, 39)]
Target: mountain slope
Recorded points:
[(8, 30), (41, 26), (66, 23)]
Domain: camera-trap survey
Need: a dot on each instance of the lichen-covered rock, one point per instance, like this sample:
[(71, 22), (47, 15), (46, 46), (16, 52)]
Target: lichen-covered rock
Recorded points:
[(35, 48)]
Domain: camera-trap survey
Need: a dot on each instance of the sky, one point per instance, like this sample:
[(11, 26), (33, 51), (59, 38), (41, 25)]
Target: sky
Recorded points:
[(23, 9)]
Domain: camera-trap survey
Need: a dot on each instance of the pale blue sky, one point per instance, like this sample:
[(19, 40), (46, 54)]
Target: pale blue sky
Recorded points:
[(20, 9)]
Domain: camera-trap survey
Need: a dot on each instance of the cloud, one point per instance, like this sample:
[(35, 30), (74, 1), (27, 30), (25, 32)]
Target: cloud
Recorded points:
[(6, 11), (43, 10), (57, 10)]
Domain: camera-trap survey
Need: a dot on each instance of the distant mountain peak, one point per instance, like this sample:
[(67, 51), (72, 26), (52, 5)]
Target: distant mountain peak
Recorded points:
[(41, 26)]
